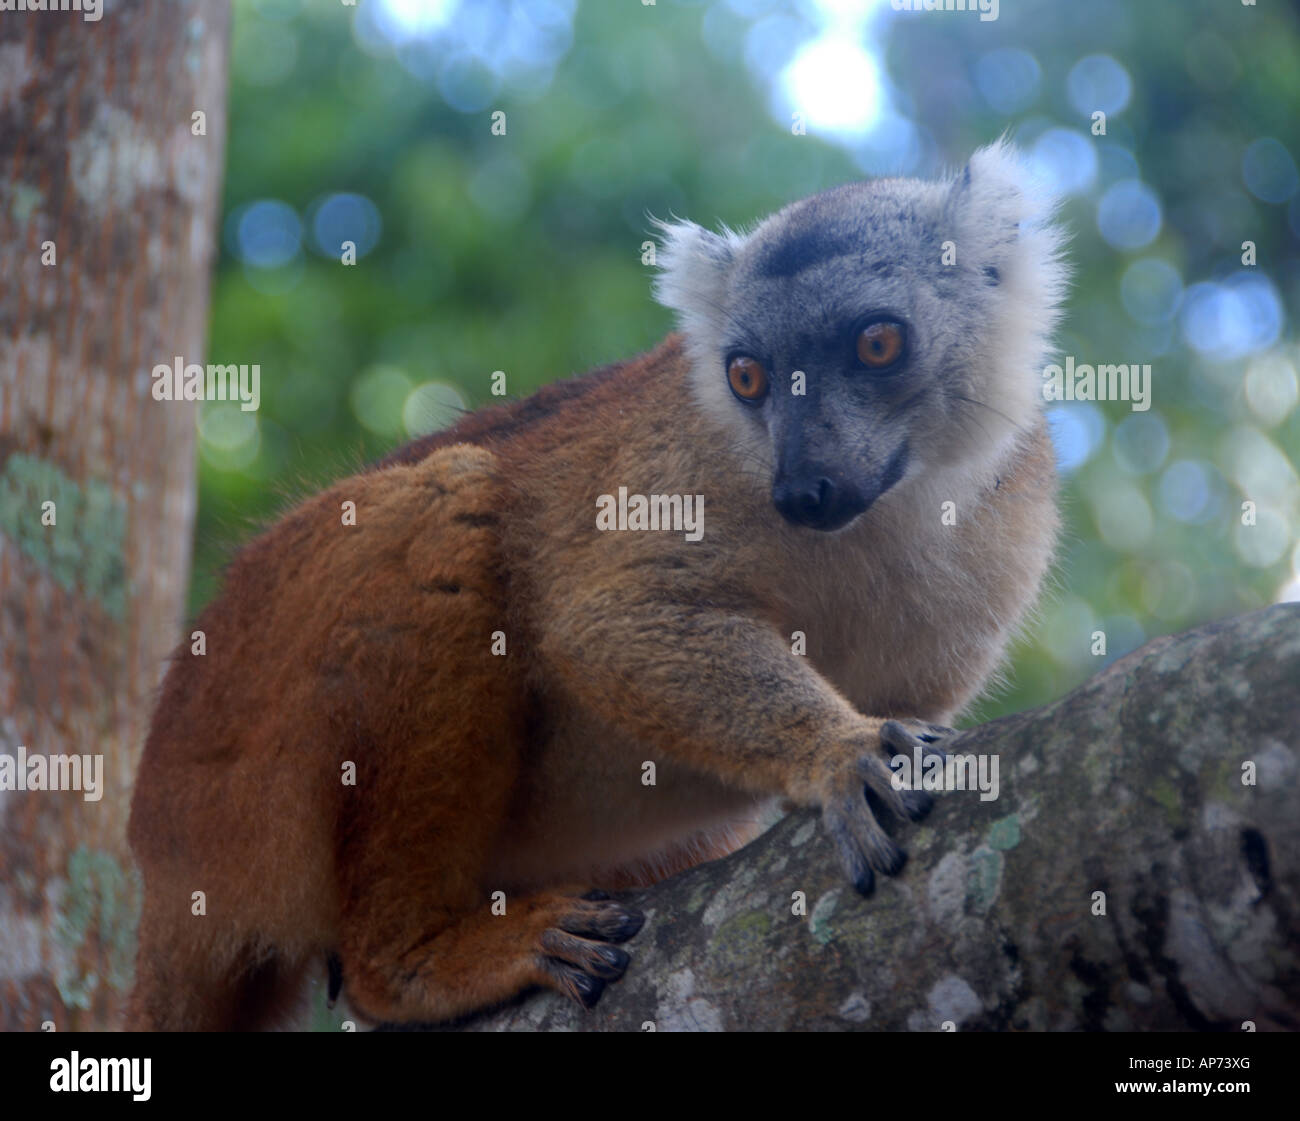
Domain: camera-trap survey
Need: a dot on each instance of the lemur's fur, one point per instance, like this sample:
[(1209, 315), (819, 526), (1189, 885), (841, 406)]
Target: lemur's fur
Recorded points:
[(373, 644)]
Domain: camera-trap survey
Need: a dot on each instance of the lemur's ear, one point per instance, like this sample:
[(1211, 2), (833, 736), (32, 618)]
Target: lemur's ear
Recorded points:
[(693, 266), (994, 199), (1001, 214)]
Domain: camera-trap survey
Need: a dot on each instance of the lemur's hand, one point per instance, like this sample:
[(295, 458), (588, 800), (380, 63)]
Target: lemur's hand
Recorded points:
[(863, 785)]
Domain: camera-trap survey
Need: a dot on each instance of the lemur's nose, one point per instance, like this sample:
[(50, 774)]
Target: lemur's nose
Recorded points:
[(817, 501)]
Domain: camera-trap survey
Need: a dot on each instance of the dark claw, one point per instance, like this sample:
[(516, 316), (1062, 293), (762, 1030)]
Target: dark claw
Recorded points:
[(892, 862), (633, 921), (855, 863), (918, 803), (335, 967), (583, 987), (897, 739), (934, 734), (614, 963), (865, 884), (611, 922), (590, 990), (864, 848)]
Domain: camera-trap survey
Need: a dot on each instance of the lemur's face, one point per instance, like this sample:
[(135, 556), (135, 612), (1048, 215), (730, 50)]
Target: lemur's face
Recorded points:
[(827, 357), (834, 404), (864, 336)]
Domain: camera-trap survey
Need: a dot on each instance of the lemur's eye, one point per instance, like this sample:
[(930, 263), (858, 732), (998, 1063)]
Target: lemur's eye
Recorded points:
[(747, 378), (880, 344)]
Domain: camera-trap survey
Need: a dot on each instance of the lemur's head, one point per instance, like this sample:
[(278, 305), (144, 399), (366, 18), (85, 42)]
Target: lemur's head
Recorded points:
[(859, 337)]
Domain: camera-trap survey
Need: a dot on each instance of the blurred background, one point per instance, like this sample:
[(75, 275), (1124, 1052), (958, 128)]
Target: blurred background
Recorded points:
[(474, 252)]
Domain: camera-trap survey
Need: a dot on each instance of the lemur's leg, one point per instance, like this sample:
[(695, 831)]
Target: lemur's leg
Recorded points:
[(419, 939), (473, 959)]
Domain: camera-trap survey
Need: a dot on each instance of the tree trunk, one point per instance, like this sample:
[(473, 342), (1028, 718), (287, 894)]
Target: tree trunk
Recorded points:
[(107, 207), (1165, 788)]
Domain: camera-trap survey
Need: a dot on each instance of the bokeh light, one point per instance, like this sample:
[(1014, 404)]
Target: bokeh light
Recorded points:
[(1065, 160), (834, 83), (1009, 79), (265, 234), (1228, 320), (1269, 171), (1098, 84), (344, 217), (1128, 215)]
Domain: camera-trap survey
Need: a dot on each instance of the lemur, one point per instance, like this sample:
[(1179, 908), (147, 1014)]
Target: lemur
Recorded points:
[(454, 694)]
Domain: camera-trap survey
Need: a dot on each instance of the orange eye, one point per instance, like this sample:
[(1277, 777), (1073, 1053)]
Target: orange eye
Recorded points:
[(747, 378), (880, 344)]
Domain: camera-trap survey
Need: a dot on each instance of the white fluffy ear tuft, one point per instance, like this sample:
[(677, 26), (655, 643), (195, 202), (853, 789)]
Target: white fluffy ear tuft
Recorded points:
[(999, 190), (1006, 217), (693, 267)]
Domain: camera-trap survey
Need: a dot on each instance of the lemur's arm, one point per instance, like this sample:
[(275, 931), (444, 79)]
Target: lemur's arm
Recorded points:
[(723, 693)]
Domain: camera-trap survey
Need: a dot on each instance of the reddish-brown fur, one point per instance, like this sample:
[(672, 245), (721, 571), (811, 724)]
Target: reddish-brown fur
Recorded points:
[(476, 773)]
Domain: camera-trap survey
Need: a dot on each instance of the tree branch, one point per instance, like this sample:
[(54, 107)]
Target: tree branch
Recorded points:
[(1131, 786)]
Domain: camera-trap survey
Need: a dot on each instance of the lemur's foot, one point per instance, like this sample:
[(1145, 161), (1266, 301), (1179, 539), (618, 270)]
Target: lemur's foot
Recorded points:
[(576, 954), (850, 814)]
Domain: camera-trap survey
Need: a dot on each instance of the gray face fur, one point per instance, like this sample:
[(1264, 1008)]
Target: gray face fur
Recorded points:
[(794, 293)]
